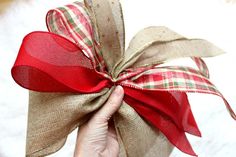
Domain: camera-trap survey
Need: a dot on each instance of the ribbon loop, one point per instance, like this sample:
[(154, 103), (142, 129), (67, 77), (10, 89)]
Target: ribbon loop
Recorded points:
[(72, 22), (110, 30), (156, 45), (50, 63)]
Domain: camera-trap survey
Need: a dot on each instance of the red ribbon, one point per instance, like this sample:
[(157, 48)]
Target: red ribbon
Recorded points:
[(50, 63)]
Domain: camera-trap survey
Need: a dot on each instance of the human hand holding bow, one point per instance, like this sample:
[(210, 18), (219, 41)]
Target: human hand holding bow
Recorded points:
[(98, 137)]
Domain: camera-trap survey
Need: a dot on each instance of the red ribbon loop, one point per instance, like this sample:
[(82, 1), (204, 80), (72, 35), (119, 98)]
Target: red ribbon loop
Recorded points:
[(50, 63)]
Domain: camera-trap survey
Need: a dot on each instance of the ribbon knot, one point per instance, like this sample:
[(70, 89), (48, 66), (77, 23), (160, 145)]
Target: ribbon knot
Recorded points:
[(73, 67)]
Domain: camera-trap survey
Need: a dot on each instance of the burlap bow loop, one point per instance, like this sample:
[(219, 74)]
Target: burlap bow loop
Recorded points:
[(74, 67)]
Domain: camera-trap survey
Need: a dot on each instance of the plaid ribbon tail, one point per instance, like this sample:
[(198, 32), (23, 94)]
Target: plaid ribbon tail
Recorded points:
[(176, 79)]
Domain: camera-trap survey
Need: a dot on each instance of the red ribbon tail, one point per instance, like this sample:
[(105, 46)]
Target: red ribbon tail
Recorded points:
[(153, 107), (185, 115)]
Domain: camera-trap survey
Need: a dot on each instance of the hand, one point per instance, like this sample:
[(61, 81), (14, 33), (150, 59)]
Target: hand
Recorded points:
[(97, 138)]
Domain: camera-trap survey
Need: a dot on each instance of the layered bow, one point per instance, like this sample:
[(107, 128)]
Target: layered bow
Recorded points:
[(72, 69)]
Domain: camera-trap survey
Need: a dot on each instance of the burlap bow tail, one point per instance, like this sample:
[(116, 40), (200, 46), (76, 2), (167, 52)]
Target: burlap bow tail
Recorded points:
[(75, 65)]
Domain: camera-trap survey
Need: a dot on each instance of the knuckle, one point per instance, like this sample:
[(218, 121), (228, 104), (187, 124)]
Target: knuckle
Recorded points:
[(100, 120)]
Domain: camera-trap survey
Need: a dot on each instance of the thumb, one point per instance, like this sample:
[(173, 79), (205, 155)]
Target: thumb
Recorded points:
[(111, 106)]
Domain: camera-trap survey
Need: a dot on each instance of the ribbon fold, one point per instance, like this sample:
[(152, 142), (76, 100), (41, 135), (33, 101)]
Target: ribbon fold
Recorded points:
[(72, 70)]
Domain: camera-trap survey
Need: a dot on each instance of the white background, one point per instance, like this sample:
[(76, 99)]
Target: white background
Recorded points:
[(213, 20)]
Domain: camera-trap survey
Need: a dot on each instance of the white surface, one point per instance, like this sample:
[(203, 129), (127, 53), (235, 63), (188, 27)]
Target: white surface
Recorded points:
[(213, 20)]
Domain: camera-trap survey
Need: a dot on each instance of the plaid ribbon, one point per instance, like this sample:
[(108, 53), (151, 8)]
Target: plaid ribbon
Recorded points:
[(72, 22)]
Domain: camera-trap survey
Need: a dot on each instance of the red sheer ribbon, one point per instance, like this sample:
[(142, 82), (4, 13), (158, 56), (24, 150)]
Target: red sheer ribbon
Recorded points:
[(50, 63)]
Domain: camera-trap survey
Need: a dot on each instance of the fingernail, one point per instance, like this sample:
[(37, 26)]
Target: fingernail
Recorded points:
[(118, 90)]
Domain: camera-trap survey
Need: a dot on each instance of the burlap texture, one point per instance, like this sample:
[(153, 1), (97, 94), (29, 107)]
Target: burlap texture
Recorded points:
[(52, 116)]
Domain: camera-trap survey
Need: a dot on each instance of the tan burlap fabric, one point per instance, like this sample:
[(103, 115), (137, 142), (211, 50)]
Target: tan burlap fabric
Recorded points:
[(52, 116)]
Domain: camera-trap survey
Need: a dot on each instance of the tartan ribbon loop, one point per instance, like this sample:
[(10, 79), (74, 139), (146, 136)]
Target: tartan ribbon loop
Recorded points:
[(73, 23), (83, 53)]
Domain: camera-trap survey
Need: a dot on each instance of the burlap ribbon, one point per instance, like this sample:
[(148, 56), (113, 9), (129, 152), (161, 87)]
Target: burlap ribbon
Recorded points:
[(52, 116)]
